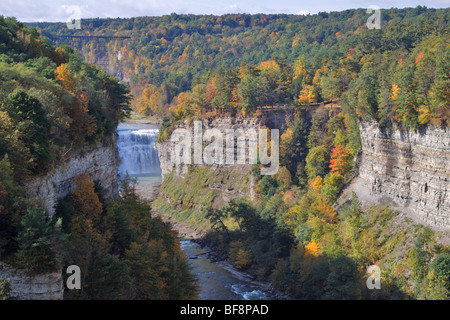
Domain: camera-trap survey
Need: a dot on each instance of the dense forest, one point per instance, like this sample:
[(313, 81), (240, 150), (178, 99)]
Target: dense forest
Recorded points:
[(185, 67), (51, 105), (295, 234), (197, 67)]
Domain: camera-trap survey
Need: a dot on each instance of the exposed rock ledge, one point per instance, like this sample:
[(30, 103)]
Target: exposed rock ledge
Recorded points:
[(100, 162), (409, 168), (47, 286), (222, 123)]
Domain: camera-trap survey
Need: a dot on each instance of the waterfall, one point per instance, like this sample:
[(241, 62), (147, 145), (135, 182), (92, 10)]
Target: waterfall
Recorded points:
[(137, 150)]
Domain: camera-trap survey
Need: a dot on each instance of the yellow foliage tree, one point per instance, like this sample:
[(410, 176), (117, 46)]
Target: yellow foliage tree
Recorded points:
[(394, 91), (151, 101), (318, 74), (268, 65), (316, 183), (243, 259), (239, 255), (63, 75), (424, 114), (285, 140), (300, 68), (325, 211), (308, 95)]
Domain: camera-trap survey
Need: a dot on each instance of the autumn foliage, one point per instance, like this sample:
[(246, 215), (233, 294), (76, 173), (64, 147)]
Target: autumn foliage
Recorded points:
[(137, 255), (312, 249), (63, 75), (340, 161)]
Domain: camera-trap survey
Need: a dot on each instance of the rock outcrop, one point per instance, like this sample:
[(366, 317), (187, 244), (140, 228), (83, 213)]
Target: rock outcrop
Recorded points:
[(47, 286), (99, 161), (411, 168), (273, 118), (214, 184), (166, 148)]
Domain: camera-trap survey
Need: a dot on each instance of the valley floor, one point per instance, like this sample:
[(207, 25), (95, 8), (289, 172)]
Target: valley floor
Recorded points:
[(150, 191)]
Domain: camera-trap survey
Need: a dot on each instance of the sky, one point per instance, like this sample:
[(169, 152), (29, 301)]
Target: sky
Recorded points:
[(62, 10)]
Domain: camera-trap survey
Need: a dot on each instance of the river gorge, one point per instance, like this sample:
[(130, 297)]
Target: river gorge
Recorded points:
[(217, 280)]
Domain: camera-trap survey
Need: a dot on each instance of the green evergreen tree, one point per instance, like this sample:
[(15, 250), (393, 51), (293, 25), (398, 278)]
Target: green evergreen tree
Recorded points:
[(297, 148), (31, 120), (37, 241)]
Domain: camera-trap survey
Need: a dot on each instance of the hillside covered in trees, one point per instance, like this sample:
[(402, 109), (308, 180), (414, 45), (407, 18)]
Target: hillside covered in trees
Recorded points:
[(185, 67), (52, 104)]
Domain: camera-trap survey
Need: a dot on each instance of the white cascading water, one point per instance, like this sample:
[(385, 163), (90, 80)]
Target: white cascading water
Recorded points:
[(137, 150)]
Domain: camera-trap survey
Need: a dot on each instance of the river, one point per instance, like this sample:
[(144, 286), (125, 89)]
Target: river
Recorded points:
[(217, 280)]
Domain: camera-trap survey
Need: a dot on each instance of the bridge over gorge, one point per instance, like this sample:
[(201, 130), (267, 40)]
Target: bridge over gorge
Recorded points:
[(84, 37)]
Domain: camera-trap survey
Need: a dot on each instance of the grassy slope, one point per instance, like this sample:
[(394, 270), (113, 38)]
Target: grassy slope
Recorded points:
[(184, 198)]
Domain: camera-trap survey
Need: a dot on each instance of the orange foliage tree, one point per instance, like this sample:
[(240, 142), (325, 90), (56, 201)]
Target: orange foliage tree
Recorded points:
[(86, 236), (86, 200), (312, 249), (308, 95), (340, 161)]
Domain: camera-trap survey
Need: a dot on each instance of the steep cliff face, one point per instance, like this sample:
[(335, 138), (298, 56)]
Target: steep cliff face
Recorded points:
[(100, 162), (166, 148), (112, 62), (48, 286), (411, 168), (186, 189)]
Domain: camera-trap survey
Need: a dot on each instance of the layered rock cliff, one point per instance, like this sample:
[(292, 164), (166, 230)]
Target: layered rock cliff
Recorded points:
[(189, 188), (407, 169), (230, 181), (410, 168), (48, 286), (99, 161), (166, 148)]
